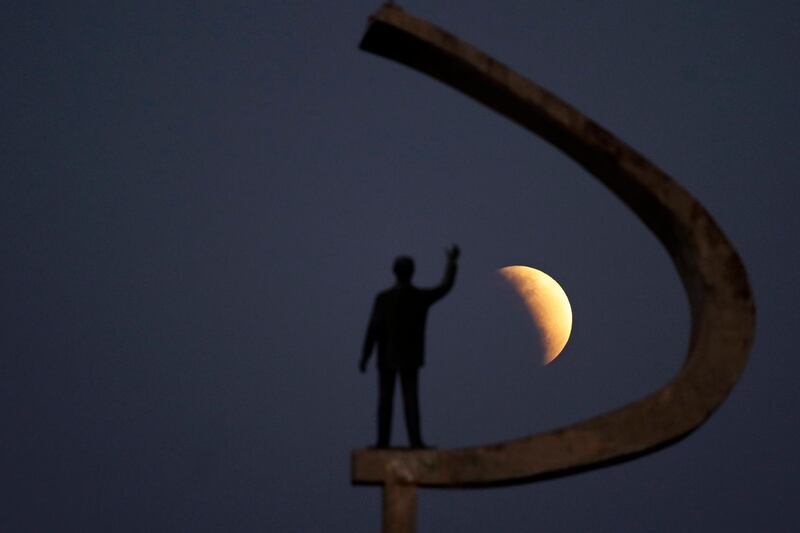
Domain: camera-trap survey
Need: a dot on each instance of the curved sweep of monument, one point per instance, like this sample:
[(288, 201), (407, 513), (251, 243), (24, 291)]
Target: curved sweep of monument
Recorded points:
[(722, 308)]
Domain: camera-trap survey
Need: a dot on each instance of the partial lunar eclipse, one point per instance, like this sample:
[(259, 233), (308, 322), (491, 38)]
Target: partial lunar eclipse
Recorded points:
[(547, 304)]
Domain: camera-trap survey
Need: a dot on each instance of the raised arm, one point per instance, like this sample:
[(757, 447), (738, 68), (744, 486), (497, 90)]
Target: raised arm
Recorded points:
[(449, 274)]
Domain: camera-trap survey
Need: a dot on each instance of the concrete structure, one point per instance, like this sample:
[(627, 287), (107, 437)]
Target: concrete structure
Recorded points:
[(722, 308)]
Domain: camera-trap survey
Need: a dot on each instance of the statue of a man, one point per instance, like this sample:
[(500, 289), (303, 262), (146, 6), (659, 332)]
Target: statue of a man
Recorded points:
[(397, 326)]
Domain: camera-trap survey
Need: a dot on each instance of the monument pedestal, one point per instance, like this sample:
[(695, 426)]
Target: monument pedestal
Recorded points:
[(399, 507)]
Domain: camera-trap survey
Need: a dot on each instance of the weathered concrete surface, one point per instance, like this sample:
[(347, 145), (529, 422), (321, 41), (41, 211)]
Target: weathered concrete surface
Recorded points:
[(399, 507), (722, 309)]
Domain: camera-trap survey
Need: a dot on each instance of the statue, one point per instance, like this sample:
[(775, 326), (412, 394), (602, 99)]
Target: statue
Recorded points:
[(397, 326)]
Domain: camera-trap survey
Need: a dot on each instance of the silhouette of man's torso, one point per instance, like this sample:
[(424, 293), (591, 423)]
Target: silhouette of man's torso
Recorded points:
[(399, 319)]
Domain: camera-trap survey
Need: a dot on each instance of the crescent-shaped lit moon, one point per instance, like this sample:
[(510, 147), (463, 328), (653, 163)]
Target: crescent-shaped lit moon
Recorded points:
[(547, 304)]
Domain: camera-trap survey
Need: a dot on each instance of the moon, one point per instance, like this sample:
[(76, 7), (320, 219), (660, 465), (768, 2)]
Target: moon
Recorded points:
[(547, 304)]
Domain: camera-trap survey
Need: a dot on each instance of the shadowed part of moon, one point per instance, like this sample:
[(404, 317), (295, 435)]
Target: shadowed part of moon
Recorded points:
[(547, 304)]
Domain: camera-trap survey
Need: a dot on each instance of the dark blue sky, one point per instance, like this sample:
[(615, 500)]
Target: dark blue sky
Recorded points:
[(200, 201)]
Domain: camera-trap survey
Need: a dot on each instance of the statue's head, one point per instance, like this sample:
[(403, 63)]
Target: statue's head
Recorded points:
[(403, 268)]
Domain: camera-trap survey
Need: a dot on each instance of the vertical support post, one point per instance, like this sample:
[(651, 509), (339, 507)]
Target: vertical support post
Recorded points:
[(399, 506)]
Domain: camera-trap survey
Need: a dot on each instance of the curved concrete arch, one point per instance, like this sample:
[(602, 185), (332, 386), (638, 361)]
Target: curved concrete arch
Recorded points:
[(722, 308)]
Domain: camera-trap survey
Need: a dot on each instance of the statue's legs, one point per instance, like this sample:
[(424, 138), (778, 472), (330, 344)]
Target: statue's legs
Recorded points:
[(408, 380)]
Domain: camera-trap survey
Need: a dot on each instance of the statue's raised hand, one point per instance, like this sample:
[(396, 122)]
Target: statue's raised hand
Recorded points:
[(453, 252)]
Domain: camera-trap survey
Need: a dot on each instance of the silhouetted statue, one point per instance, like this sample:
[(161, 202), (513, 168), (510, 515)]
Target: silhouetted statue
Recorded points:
[(397, 326)]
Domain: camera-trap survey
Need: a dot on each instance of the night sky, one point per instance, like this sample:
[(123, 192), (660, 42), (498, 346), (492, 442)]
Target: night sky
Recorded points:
[(200, 201)]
